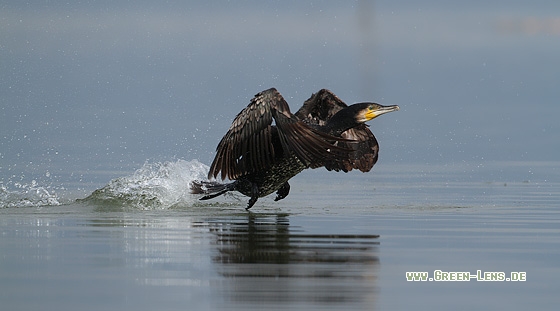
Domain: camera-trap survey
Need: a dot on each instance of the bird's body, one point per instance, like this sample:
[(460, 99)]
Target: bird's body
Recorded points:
[(260, 157), (271, 179)]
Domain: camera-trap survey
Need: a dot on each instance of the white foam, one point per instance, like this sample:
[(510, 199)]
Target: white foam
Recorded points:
[(154, 185), (28, 195)]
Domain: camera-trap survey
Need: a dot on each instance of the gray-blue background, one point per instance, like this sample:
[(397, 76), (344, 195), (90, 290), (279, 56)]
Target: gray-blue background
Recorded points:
[(92, 89)]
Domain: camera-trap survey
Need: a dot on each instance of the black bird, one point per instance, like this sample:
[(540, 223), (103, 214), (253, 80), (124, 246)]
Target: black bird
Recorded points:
[(260, 157)]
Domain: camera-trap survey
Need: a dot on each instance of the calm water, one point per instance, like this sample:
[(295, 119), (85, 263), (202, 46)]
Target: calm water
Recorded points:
[(143, 243)]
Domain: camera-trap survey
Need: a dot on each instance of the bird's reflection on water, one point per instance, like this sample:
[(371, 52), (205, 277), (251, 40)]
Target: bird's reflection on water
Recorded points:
[(265, 259), (244, 260)]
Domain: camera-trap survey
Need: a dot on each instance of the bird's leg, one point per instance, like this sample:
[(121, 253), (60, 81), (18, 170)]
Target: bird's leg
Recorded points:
[(254, 196), (282, 191)]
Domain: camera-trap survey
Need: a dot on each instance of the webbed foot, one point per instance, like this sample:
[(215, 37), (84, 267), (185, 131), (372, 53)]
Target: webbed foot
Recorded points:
[(254, 196), (282, 192)]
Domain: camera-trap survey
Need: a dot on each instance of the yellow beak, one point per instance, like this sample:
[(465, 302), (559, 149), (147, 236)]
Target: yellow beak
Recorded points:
[(377, 110)]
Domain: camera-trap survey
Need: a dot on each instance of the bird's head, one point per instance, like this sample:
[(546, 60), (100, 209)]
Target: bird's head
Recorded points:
[(368, 111), (355, 115)]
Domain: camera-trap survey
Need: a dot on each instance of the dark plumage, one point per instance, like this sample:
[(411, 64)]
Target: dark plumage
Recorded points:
[(261, 157)]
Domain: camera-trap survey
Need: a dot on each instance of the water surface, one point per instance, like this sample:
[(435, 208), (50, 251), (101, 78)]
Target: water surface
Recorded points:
[(348, 246)]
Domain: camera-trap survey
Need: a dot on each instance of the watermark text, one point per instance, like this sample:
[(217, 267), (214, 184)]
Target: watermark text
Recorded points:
[(464, 276)]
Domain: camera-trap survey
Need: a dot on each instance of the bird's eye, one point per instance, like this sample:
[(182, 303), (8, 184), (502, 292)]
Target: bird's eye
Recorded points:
[(370, 107)]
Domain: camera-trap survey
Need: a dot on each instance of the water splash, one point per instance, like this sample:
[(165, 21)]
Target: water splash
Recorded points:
[(27, 195), (153, 186)]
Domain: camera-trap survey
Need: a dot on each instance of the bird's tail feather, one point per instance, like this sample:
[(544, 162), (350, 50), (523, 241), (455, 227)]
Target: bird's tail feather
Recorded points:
[(210, 189)]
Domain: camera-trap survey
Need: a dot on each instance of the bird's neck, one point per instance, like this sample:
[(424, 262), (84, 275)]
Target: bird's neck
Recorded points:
[(340, 122)]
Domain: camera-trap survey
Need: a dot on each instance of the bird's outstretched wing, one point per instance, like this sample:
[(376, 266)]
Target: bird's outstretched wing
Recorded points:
[(248, 146), (318, 109)]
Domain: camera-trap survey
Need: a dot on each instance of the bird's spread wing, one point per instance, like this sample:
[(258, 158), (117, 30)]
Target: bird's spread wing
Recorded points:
[(247, 144), (319, 108), (365, 151), (248, 147)]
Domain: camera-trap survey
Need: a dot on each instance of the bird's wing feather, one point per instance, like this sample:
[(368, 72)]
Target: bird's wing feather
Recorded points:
[(310, 145), (318, 109), (365, 151), (247, 146)]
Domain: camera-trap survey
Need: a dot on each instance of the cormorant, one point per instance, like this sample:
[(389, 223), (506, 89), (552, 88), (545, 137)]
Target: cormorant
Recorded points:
[(260, 157)]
